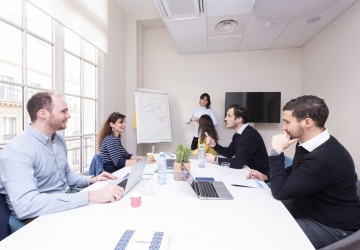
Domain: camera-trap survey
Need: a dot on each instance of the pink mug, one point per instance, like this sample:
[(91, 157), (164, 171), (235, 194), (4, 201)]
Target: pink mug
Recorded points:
[(135, 200)]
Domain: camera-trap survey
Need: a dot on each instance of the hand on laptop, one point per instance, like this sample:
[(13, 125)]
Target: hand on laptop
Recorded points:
[(104, 176), (109, 194)]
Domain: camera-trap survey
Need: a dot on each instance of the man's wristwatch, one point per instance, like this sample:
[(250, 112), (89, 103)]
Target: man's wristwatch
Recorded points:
[(273, 152), (216, 160)]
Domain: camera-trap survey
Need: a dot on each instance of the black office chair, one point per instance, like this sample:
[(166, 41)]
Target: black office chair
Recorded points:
[(4, 218), (349, 243)]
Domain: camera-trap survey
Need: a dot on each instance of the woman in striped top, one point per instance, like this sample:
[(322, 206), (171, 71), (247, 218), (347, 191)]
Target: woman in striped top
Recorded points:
[(114, 156)]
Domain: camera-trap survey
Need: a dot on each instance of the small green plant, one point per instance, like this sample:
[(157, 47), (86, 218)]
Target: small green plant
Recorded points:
[(182, 153)]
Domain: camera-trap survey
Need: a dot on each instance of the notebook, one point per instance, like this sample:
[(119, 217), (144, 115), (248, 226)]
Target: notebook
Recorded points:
[(208, 190), (133, 178)]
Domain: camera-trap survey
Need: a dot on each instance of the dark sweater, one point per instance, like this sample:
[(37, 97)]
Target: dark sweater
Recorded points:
[(249, 149), (322, 184)]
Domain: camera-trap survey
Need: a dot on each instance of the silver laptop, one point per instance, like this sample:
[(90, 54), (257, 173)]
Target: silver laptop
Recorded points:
[(130, 180), (208, 190)]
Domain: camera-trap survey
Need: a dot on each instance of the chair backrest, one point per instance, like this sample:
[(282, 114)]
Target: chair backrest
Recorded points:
[(96, 165), (350, 242), (4, 218)]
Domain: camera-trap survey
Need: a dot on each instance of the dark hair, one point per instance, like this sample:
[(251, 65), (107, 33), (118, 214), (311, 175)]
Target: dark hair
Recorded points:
[(308, 106), (240, 112), (40, 100), (206, 125), (106, 128), (208, 98)]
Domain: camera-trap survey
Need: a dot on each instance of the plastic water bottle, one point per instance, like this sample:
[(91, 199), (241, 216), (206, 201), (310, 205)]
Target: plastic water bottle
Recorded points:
[(161, 162), (201, 156)]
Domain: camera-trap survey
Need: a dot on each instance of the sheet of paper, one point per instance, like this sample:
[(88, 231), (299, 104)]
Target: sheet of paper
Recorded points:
[(243, 182)]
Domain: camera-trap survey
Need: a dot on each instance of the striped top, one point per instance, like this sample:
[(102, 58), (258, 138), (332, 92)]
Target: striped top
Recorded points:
[(113, 154)]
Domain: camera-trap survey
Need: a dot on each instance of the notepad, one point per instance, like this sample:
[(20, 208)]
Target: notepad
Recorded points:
[(243, 182), (139, 239)]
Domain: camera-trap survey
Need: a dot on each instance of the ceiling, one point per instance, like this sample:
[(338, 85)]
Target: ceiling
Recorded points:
[(205, 26)]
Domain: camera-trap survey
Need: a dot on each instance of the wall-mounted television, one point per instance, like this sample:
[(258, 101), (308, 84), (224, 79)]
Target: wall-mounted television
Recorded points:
[(262, 106)]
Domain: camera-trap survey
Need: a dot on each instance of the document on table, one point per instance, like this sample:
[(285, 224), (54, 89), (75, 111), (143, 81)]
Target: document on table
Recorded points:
[(138, 240), (243, 182)]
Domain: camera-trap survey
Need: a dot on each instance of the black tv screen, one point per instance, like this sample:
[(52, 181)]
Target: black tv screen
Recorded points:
[(262, 106)]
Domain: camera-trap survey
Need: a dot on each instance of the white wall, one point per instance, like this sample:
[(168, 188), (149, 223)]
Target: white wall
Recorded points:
[(186, 77), (331, 70), (114, 90)]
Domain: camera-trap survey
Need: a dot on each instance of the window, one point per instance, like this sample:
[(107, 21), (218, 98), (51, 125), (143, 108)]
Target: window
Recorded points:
[(39, 54)]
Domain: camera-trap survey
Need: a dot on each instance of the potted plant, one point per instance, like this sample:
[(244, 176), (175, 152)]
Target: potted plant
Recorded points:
[(182, 161)]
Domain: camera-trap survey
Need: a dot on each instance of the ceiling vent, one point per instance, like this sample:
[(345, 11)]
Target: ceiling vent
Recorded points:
[(180, 9)]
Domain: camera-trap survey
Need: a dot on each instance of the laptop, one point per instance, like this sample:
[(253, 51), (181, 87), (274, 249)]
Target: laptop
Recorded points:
[(170, 163), (130, 180), (208, 190)]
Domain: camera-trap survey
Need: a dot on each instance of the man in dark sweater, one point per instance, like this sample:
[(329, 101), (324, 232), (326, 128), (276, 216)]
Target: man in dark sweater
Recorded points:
[(247, 145), (320, 186)]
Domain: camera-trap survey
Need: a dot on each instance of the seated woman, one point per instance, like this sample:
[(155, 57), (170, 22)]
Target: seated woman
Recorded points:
[(206, 128), (114, 156)]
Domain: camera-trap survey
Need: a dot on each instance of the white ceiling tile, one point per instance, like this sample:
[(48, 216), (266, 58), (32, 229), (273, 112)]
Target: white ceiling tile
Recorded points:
[(228, 7), (226, 43), (189, 35)]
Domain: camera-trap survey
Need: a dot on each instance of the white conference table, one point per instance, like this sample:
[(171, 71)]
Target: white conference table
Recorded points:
[(253, 220)]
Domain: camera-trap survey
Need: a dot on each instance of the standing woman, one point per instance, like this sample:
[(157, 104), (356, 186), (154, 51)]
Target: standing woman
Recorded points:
[(203, 109), (206, 128), (114, 156)]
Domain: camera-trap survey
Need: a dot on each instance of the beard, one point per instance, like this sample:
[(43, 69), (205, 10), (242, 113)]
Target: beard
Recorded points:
[(297, 133), (56, 124)]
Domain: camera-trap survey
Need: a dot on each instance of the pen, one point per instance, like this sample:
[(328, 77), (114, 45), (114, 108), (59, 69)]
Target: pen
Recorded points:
[(236, 185), (141, 241)]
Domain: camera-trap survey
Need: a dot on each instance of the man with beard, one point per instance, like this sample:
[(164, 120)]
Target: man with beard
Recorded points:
[(34, 174), (320, 186)]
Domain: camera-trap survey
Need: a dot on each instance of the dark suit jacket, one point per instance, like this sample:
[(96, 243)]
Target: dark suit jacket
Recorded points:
[(248, 148)]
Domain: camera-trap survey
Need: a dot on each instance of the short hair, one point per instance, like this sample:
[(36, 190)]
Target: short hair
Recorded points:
[(208, 98), (240, 112), (40, 100), (308, 106)]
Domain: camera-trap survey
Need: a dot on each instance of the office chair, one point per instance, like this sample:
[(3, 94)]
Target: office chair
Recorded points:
[(4, 218), (350, 242), (288, 161), (8, 223), (96, 165)]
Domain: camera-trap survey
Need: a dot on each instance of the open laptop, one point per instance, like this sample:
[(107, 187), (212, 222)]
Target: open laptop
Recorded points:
[(208, 190), (130, 180)]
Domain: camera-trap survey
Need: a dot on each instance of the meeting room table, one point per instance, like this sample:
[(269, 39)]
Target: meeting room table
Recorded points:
[(252, 220)]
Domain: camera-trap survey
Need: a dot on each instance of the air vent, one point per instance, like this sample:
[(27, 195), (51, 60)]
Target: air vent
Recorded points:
[(180, 9)]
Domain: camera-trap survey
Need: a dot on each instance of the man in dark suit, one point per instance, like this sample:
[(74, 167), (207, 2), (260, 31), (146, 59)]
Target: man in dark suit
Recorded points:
[(247, 145)]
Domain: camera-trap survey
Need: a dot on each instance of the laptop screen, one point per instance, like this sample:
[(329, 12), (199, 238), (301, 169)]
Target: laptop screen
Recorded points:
[(190, 179)]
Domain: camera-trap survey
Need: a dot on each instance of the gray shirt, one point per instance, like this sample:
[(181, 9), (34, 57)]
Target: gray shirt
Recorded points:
[(36, 177)]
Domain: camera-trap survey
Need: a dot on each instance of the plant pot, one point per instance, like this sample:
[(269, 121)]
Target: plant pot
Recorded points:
[(178, 176)]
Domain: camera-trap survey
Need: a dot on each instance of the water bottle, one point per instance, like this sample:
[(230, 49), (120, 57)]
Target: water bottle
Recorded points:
[(201, 156), (161, 162)]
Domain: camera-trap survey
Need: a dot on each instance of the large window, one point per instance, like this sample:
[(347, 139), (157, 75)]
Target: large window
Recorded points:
[(39, 54)]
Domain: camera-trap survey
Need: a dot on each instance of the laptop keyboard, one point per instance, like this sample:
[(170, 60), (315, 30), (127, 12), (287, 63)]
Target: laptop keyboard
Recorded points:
[(123, 183), (207, 189)]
